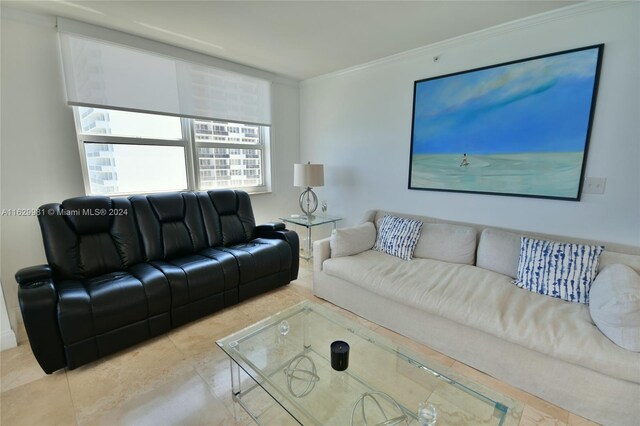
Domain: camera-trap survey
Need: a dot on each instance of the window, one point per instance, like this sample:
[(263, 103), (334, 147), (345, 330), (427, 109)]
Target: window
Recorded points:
[(242, 158), (130, 152)]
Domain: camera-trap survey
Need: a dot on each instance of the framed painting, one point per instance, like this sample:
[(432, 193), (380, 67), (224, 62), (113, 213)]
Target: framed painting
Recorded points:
[(519, 128)]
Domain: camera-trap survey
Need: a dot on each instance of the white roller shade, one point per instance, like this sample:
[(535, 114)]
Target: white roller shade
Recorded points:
[(109, 75)]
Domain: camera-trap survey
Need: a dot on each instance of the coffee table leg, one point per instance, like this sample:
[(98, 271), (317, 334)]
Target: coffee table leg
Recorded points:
[(235, 377), (234, 370), (305, 329)]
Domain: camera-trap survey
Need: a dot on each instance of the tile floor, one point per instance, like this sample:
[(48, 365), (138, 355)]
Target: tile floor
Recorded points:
[(183, 378)]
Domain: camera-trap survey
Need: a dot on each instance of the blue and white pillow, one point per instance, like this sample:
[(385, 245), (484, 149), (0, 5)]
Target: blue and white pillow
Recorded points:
[(398, 236), (561, 270)]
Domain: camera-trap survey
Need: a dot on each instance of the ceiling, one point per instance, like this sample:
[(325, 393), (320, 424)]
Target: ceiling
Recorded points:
[(297, 39)]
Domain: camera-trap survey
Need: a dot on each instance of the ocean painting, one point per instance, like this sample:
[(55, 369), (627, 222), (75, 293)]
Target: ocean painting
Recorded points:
[(520, 128)]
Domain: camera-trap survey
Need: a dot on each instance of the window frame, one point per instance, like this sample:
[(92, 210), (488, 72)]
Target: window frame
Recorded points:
[(187, 142)]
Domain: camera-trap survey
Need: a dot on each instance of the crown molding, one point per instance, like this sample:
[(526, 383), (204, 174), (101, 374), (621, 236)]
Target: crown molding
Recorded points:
[(7, 12)]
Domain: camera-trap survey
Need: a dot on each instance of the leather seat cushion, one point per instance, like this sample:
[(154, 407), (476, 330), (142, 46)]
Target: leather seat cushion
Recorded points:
[(228, 263), (261, 257), (156, 288), (192, 278), (100, 304)]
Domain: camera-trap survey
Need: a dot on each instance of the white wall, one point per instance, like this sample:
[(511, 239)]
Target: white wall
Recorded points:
[(40, 162), (358, 123), (7, 336)]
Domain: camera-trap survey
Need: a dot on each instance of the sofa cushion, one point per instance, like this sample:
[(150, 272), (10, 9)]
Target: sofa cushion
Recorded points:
[(611, 258), (205, 276), (89, 215), (86, 237), (228, 263), (561, 270), (614, 304), (449, 243), (237, 223), (499, 251), (260, 258), (156, 287), (353, 240), (97, 305), (398, 236), (489, 302), (170, 225)]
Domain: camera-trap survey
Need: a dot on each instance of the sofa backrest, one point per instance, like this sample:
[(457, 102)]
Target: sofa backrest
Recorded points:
[(498, 249), (170, 225), (89, 236), (439, 240), (236, 222)]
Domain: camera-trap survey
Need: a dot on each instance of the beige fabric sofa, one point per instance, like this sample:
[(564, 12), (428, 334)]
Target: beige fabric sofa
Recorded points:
[(471, 311)]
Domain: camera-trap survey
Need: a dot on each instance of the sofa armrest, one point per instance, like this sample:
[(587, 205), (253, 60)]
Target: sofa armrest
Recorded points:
[(321, 252), (291, 238), (270, 226), (33, 275), (369, 216), (39, 305)]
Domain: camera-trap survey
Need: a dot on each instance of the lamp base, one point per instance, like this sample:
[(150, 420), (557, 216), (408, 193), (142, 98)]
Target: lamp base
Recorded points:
[(308, 202)]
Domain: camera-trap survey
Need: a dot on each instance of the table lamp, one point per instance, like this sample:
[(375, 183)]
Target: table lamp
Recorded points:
[(308, 176)]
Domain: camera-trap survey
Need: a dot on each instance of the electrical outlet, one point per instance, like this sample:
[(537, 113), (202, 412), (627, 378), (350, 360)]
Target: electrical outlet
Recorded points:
[(594, 185)]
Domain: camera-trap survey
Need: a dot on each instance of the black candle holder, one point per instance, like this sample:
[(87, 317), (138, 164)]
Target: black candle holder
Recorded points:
[(339, 355)]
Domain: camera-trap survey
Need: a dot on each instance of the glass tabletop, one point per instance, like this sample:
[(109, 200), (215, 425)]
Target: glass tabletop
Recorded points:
[(288, 355), (304, 220)]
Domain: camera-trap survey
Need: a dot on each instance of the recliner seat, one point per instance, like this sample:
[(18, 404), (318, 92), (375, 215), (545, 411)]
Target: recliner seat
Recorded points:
[(149, 264), (262, 262), (172, 231)]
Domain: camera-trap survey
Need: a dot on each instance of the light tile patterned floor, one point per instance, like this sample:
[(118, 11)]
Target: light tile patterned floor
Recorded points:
[(183, 378)]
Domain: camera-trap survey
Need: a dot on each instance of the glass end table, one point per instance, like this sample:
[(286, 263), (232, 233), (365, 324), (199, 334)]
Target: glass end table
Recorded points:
[(309, 222)]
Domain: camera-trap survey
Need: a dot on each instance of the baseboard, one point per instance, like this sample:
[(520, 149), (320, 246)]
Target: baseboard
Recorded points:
[(8, 340)]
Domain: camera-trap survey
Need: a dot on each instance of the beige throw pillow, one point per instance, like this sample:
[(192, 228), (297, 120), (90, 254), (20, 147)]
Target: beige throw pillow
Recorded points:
[(354, 240), (614, 305)]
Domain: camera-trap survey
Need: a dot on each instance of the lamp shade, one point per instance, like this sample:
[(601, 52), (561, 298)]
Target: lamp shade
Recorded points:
[(308, 175)]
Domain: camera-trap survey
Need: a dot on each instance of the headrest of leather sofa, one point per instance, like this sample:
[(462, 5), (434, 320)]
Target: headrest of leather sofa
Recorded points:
[(225, 201), (167, 207), (88, 215)]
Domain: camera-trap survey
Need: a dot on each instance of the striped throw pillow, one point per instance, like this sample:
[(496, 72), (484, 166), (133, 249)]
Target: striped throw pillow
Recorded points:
[(561, 270), (398, 236)]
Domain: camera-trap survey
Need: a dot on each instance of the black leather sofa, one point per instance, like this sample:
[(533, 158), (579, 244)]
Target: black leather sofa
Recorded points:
[(123, 270)]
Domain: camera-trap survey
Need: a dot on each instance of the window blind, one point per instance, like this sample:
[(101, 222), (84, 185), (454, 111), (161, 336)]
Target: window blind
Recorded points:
[(104, 74)]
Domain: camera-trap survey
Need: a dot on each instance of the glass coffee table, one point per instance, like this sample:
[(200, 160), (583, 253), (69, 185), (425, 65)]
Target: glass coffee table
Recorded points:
[(288, 355)]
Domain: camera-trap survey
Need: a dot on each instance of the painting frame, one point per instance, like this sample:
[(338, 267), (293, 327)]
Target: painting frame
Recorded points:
[(577, 171)]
